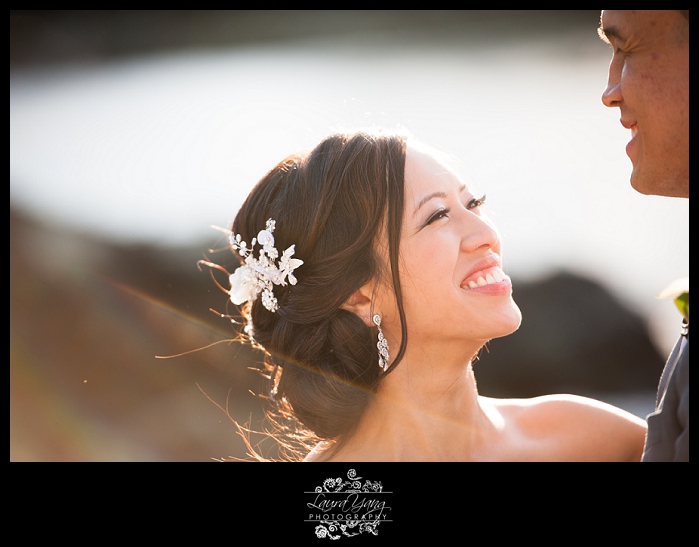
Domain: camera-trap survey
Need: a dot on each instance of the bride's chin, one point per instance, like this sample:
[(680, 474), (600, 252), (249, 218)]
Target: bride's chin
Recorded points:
[(512, 321)]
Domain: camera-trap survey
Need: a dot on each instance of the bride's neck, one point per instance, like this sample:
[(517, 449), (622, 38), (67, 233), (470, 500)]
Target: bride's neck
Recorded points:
[(424, 411), (439, 389)]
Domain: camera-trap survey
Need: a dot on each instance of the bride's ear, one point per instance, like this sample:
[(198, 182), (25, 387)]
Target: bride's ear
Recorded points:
[(359, 303)]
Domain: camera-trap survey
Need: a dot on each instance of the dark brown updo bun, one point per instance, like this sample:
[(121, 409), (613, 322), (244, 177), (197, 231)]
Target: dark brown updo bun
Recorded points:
[(333, 204)]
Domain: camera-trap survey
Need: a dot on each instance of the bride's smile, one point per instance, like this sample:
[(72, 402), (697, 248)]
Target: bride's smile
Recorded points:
[(451, 264)]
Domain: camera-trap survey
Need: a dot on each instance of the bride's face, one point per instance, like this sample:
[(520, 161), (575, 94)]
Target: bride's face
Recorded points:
[(451, 272)]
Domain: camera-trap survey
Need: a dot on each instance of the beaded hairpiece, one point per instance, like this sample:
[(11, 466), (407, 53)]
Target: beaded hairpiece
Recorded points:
[(259, 275)]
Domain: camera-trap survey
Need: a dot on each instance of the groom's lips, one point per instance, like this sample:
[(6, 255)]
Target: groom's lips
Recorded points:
[(629, 124)]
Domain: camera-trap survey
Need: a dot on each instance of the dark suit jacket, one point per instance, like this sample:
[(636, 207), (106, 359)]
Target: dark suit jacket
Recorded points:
[(668, 427)]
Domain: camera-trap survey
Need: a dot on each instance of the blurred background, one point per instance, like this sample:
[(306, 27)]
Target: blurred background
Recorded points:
[(132, 133)]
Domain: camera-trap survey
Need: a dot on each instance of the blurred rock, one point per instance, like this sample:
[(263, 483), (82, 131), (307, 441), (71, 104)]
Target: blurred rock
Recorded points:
[(575, 337)]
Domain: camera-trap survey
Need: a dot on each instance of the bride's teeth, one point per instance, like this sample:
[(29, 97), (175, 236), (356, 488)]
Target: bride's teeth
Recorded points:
[(494, 276)]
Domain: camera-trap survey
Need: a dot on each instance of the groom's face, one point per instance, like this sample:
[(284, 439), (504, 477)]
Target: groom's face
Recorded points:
[(649, 82)]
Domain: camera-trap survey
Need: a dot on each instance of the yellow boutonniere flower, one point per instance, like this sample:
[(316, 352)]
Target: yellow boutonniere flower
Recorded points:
[(678, 290)]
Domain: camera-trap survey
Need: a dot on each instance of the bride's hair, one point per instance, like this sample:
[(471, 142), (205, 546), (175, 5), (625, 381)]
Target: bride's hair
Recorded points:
[(338, 204)]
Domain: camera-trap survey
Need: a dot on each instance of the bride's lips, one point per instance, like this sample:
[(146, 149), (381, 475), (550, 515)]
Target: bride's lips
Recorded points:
[(486, 277)]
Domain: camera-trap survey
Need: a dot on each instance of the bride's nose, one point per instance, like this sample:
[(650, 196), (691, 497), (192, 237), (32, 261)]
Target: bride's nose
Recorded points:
[(479, 232)]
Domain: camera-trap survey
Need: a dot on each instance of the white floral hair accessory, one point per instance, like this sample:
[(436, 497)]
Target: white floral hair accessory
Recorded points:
[(259, 275)]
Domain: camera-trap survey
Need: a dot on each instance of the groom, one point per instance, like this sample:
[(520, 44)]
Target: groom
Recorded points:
[(649, 83)]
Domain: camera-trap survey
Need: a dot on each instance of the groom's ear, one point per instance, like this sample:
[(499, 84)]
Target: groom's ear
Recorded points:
[(359, 303)]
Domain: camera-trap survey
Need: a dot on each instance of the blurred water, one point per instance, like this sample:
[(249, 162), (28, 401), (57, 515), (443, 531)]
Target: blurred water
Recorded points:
[(158, 149)]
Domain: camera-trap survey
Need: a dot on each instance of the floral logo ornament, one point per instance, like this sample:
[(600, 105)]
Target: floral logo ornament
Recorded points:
[(351, 512), (346, 529), (353, 485), (259, 275)]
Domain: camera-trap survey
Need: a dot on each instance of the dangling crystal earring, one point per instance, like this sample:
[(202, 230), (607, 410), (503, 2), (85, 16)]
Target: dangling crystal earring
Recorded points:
[(382, 345)]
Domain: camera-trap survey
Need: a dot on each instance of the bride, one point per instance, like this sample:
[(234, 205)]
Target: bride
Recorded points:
[(371, 276)]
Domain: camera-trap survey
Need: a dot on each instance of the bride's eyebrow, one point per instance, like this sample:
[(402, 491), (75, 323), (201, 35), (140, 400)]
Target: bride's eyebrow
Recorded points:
[(435, 195), (428, 198)]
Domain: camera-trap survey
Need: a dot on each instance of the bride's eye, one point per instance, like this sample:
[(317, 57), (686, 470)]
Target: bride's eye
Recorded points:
[(476, 202), (439, 214)]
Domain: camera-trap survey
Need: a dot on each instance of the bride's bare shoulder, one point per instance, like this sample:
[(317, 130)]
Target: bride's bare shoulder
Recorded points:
[(561, 409), (563, 402), (582, 427)]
